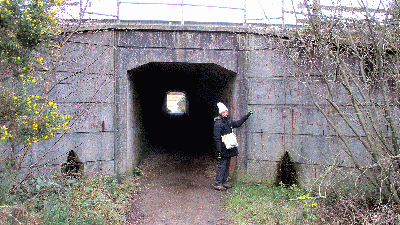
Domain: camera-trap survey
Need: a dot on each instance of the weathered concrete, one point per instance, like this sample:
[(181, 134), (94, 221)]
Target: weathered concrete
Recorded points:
[(112, 76)]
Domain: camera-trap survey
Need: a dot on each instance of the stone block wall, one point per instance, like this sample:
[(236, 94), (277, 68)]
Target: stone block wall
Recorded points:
[(82, 85), (286, 119)]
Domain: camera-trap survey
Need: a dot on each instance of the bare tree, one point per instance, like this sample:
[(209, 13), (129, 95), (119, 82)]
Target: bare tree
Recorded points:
[(350, 68)]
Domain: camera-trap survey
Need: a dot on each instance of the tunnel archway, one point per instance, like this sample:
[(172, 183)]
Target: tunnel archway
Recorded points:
[(204, 84)]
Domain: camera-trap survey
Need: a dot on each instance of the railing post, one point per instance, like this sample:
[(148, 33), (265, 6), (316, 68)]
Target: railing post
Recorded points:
[(245, 12), (80, 10), (283, 13), (118, 4), (182, 20)]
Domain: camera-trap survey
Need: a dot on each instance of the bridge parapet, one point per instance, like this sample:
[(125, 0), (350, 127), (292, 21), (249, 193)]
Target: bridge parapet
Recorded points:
[(260, 29)]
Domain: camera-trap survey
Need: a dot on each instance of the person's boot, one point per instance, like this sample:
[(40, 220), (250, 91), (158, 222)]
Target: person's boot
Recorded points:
[(227, 186), (219, 188)]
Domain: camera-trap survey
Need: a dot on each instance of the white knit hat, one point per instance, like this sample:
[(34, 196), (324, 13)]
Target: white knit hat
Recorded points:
[(221, 107)]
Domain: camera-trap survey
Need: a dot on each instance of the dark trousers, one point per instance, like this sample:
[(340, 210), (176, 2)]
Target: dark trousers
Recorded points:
[(222, 171)]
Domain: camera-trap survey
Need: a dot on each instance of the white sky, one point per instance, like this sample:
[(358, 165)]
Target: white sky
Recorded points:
[(210, 10)]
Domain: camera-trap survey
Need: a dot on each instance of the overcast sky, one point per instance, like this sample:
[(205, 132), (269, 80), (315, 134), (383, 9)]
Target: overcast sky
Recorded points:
[(257, 11)]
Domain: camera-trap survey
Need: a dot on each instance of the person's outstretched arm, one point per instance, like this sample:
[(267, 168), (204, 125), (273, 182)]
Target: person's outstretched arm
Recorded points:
[(238, 123)]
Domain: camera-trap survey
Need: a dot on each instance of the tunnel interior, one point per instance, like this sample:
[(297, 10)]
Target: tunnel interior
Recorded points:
[(204, 84)]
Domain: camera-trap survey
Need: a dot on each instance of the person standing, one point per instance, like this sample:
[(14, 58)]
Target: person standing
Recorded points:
[(223, 125)]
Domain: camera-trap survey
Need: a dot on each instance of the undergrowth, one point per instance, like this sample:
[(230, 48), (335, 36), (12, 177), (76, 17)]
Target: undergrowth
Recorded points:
[(62, 200), (350, 210), (257, 203)]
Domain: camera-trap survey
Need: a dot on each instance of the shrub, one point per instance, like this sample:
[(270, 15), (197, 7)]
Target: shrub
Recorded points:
[(61, 200)]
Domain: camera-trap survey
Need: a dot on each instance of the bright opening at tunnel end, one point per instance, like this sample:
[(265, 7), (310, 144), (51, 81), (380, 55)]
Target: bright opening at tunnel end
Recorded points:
[(176, 103)]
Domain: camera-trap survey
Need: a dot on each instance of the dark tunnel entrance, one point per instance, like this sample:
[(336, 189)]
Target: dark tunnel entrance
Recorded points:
[(203, 84)]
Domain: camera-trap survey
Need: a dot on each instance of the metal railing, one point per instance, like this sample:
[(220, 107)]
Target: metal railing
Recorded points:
[(182, 5), (181, 10), (85, 9)]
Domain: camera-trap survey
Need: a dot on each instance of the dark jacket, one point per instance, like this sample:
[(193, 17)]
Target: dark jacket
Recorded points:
[(223, 126)]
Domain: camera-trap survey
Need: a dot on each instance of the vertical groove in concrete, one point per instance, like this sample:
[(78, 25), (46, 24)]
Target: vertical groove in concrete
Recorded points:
[(116, 88), (240, 99)]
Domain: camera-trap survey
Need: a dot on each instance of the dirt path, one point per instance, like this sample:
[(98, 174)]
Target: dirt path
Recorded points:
[(177, 189)]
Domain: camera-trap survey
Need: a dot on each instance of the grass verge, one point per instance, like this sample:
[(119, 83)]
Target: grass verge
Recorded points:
[(255, 203)]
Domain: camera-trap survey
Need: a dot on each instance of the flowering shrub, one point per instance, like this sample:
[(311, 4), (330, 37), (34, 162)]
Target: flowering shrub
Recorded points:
[(40, 118), (30, 118), (4, 134), (26, 25), (27, 28)]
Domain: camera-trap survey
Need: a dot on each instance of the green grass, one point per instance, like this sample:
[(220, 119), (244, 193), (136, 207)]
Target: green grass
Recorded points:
[(254, 203)]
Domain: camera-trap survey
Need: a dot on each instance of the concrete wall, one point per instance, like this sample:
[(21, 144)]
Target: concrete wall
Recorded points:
[(83, 86), (286, 119), (92, 84)]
